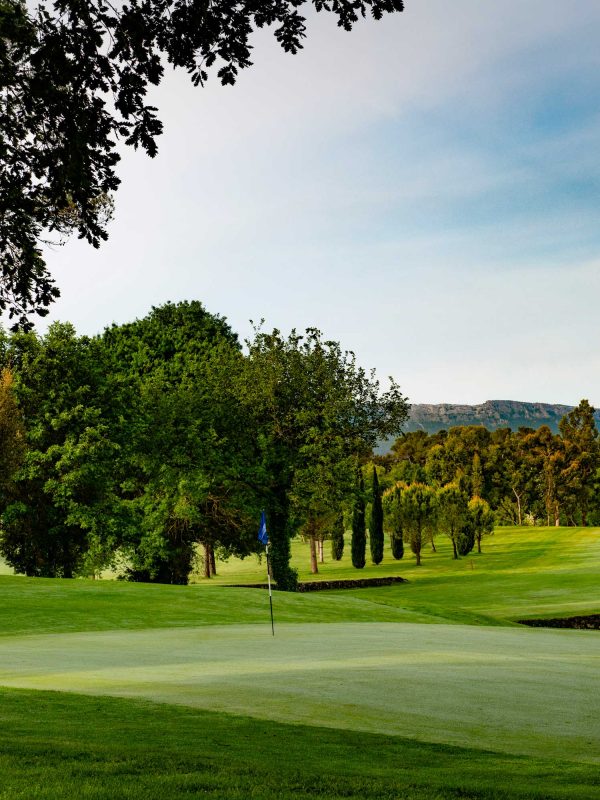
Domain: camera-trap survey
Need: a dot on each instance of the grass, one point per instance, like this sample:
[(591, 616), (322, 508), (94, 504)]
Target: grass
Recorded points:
[(474, 686), (461, 702), (522, 572), (57, 747)]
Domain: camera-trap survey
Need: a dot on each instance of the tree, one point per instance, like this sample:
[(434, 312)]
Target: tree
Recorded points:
[(393, 517), (337, 538), (189, 443), (582, 456), (453, 514), (12, 434), (417, 506), (62, 510), (313, 411), (482, 519), (359, 532), (376, 523), (75, 77)]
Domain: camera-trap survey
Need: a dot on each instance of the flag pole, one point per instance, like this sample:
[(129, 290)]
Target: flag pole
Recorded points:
[(263, 538), (270, 594)]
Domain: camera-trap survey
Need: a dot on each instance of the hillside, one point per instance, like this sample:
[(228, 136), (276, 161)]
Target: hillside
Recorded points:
[(492, 414)]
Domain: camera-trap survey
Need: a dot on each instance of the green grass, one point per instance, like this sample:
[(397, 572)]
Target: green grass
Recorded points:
[(58, 747), (467, 705), (515, 690), (522, 572)]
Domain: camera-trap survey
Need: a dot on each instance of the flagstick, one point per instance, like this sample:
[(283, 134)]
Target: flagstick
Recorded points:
[(270, 595)]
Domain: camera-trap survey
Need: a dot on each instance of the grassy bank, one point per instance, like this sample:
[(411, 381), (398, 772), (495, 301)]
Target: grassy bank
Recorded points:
[(56, 747)]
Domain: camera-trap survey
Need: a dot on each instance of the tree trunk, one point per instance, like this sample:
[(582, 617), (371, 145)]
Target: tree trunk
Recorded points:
[(206, 560), (519, 516), (213, 567), (321, 555), (313, 555), (454, 550), (418, 555), (479, 544), (433, 548)]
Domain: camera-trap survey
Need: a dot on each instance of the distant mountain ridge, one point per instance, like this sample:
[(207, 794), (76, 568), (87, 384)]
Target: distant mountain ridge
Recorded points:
[(492, 414)]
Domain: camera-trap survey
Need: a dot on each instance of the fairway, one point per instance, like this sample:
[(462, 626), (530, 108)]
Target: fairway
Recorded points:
[(517, 691)]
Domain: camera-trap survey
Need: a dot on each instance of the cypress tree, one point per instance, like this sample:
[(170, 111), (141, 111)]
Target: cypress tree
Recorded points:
[(397, 546), (376, 523), (337, 538), (359, 533)]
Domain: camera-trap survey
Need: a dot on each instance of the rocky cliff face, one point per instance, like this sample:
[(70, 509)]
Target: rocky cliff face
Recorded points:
[(492, 414)]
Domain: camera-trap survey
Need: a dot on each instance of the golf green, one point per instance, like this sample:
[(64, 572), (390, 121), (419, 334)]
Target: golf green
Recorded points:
[(512, 690)]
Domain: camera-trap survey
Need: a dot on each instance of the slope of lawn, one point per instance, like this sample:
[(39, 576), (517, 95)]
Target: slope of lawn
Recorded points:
[(58, 747), (373, 707), (522, 572)]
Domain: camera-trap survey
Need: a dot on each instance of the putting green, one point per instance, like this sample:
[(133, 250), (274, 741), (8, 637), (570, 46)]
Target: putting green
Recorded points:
[(513, 690)]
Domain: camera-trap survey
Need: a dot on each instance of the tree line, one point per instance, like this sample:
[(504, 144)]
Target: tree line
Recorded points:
[(135, 448), (461, 482), (164, 437)]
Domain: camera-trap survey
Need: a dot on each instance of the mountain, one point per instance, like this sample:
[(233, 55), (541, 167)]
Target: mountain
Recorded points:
[(492, 414)]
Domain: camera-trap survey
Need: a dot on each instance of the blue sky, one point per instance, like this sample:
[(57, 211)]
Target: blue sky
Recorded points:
[(424, 189)]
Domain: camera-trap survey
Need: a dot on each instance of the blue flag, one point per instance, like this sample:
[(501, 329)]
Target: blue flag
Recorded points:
[(262, 530)]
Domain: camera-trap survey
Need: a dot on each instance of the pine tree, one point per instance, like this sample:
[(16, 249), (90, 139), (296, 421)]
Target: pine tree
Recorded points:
[(337, 538), (376, 523), (359, 533)]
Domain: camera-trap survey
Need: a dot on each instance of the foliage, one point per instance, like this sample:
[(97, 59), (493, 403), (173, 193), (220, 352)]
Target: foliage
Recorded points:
[(376, 523), (393, 518), (313, 410), (188, 440), (75, 78), (62, 512), (337, 538), (359, 538), (481, 519), (416, 510), (454, 518)]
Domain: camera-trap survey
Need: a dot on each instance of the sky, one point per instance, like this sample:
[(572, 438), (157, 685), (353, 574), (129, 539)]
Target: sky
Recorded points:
[(425, 190)]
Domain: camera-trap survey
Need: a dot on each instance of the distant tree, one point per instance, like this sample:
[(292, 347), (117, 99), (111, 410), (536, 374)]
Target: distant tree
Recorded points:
[(393, 519), (417, 506), (476, 476), (581, 456), (466, 540), (397, 545), (359, 538), (482, 519), (376, 522), (453, 514), (337, 538)]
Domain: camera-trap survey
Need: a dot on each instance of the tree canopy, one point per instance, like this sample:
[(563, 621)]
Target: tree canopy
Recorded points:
[(74, 78)]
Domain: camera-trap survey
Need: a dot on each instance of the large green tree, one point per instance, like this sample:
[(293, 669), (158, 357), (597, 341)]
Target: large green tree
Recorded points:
[(63, 512), (314, 411), (189, 444), (75, 77)]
